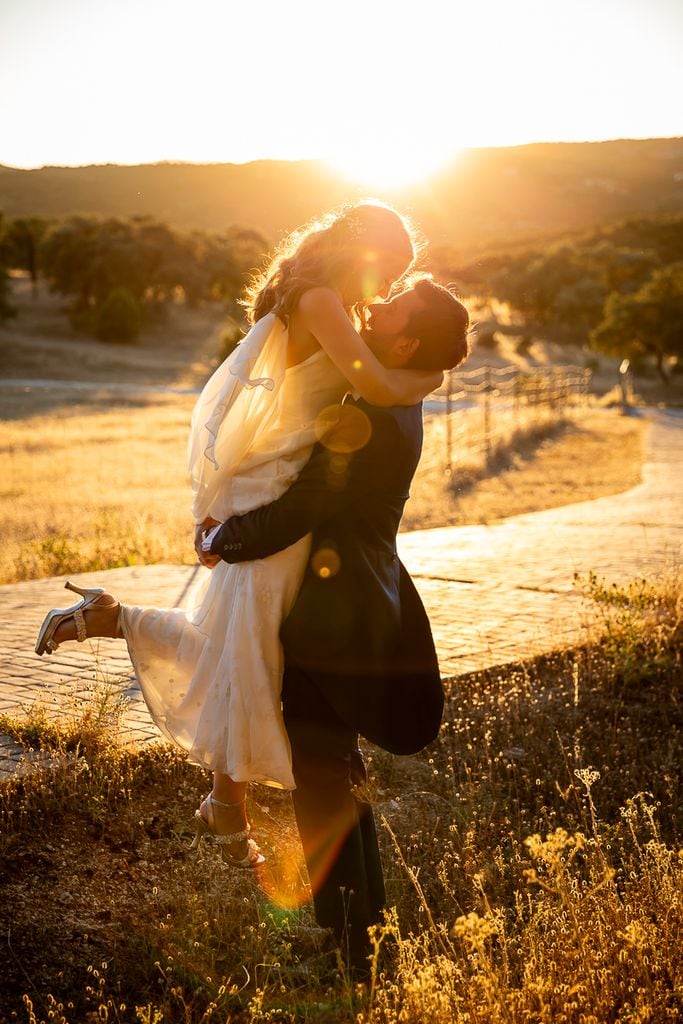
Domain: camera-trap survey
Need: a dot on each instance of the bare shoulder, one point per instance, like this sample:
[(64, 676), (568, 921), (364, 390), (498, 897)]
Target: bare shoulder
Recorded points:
[(319, 300), (319, 314), (316, 307)]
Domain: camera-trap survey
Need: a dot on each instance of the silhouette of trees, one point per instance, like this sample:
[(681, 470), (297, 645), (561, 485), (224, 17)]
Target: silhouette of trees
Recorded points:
[(225, 261), (69, 258), (568, 284), (548, 286), (6, 308), (618, 287), (647, 321), (88, 260), (23, 239), (659, 235)]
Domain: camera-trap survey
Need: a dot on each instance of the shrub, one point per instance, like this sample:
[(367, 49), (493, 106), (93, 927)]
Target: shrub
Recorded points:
[(229, 339), (119, 318), (488, 339), (6, 308), (84, 321)]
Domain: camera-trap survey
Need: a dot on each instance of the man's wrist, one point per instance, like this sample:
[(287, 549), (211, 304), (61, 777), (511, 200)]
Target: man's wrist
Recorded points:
[(209, 536)]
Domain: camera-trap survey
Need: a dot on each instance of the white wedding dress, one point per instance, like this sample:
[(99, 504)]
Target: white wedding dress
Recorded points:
[(211, 673)]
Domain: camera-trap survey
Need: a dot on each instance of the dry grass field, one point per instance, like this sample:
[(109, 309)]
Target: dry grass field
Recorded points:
[(89, 488), (594, 453)]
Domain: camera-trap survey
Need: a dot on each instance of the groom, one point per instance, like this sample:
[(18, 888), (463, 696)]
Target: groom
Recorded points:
[(359, 654)]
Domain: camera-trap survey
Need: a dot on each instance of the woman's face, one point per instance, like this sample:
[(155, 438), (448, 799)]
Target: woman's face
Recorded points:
[(373, 276)]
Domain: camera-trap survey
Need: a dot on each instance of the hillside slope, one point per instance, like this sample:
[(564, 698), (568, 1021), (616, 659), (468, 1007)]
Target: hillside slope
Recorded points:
[(485, 195)]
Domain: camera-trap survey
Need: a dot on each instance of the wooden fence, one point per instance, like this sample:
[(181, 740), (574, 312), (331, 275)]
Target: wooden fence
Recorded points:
[(484, 410)]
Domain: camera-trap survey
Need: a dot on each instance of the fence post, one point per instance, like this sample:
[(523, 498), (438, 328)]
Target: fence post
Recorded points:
[(625, 385), (487, 415), (552, 389)]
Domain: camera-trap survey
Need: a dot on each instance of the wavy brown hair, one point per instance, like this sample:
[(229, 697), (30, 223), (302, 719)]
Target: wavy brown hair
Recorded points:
[(324, 251), (442, 327)]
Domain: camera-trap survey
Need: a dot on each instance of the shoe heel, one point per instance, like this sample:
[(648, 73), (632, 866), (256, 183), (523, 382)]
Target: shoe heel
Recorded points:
[(82, 591), (200, 829)]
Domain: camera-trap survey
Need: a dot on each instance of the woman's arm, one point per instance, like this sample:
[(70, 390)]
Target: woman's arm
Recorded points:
[(324, 316)]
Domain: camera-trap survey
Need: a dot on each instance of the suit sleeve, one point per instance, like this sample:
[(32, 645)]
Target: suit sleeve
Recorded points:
[(329, 482)]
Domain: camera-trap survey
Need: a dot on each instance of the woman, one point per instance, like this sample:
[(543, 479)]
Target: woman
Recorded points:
[(211, 673)]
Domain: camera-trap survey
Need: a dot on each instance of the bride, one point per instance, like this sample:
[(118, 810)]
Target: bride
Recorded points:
[(211, 673)]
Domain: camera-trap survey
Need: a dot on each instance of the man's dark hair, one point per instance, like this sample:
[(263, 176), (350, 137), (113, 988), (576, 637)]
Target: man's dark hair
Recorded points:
[(442, 329)]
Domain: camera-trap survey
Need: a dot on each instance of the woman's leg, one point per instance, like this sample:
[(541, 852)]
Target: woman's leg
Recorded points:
[(227, 791), (226, 813), (101, 619)]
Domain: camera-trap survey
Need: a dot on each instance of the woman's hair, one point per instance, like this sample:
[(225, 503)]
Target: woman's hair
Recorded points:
[(323, 252)]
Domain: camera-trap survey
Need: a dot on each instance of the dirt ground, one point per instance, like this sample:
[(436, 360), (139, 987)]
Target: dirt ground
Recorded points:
[(179, 350)]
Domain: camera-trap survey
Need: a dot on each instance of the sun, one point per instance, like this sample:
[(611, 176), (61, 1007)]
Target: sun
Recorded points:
[(389, 167)]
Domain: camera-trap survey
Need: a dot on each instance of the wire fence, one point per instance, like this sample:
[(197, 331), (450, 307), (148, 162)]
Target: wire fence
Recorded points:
[(484, 411)]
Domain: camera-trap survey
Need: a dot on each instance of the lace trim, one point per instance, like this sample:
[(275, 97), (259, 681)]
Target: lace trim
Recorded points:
[(234, 837)]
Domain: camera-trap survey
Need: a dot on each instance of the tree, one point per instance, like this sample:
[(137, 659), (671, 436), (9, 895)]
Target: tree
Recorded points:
[(579, 303), (163, 258), (566, 283), (648, 321), (24, 236), (88, 259), (229, 259), (119, 318), (662, 236), (532, 282), (6, 309), (618, 268), (68, 255)]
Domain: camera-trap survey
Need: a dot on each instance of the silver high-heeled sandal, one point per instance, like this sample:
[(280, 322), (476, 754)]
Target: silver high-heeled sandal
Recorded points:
[(203, 828), (45, 643)]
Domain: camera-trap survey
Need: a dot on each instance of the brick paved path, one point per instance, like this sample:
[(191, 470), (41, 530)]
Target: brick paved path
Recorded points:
[(494, 594)]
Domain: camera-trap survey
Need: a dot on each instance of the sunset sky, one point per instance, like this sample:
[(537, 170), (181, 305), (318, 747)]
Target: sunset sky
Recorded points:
[(384, 89)]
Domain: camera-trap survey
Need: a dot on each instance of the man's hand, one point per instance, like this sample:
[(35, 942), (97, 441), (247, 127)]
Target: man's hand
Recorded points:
[(205, 557)]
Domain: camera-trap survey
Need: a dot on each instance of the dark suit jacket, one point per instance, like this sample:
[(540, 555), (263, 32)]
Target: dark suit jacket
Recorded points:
[(358, 626)]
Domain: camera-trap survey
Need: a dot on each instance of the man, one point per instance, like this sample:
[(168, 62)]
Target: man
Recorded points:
[(359, 654)]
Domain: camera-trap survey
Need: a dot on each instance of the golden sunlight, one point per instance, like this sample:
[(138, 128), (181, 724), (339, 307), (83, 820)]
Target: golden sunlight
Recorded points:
[(393, 167)]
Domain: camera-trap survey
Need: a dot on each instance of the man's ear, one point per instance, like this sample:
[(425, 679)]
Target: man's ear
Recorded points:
[(405, 347)]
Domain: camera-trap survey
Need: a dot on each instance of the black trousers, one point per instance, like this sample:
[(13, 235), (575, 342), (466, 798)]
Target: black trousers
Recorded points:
[(337, 830)]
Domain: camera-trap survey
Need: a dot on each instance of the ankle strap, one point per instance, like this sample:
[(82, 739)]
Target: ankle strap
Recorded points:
[(219, 803), (81, 632)]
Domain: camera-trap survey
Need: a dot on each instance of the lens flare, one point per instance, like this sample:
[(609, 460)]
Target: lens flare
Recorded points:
[(283, 885), (371, 283), (326, 563), (343, 429)]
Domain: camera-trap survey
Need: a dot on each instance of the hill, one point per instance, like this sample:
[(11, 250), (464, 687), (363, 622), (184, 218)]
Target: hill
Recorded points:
[(485, 195)]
